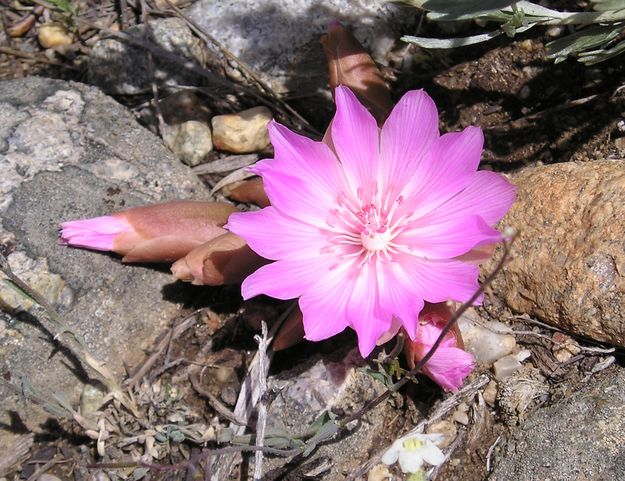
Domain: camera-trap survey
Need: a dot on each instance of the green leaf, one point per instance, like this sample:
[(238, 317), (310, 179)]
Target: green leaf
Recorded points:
[(455, 8), (64, 5), (583, 40), (596, 56), (451, 42), (605, 5)]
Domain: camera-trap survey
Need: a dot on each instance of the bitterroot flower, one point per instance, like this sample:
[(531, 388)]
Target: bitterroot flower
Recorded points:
[(368, 225), (412, 451), (449, 365), (153, 233)]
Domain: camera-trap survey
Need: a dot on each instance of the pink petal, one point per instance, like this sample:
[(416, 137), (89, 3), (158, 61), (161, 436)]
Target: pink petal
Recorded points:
[(355, 138), (398, 296), (305, 177), (396, 325), (97, 233), (275, 236), (407, 137), (453, 236), (449, 367), (285, 279), (429, 332), (489, 195), (450, 167), (364, 312), (324, 305), (441, 280), (478, 255)]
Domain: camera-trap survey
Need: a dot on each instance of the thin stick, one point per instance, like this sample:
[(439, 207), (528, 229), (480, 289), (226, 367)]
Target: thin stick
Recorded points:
[(248, 398), (35, 58), (261, 423), (215, 403)]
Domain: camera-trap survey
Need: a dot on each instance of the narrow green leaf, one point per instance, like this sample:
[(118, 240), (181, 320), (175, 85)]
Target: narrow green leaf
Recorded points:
[(583, 40), (451, 42), (465, 7), (605, 5), (596, 56)]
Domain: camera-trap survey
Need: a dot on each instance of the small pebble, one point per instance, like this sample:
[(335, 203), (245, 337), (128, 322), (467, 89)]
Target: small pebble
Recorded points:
[(461, 418), (487, 346), (52, 35), (490, 393), (554, 32), (445, 428), (90, 399), (242, 133), (525, 92), (527, 45), (191, 141), (506, 366), (379, 472)]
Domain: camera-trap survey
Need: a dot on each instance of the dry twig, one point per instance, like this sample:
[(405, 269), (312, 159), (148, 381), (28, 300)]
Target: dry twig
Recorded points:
[(261, 422)]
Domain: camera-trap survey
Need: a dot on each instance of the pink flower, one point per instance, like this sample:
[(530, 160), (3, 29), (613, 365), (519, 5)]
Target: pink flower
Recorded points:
[(367, 227), (449, 365)]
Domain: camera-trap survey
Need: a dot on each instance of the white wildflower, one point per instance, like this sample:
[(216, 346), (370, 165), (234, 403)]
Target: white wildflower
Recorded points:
[(412, 451)]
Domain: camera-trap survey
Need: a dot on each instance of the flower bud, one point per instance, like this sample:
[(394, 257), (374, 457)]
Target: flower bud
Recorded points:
[(154, 233), (223, 260), (350, 65), (449, 365)]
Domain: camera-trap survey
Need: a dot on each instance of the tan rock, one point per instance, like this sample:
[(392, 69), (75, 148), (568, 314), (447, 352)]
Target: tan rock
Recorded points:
[(568, 266), (490, 393), (243, 132), (445, 428), (379, 472), (52, 35)]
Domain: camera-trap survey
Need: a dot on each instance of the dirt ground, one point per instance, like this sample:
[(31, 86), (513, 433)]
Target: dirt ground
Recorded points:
[(532, 112)]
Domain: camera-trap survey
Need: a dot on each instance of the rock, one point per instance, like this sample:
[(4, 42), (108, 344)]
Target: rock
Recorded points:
[(90, 400), (580, 438), (66, 152), (333, 381), (490, 393), (279, 39), (119, 68), (487, 344), (506, 367), (568, 265), (461, 414), (379, 472), (242, 133), (51, 35), (445, 428), (191, 141), (519, 392)]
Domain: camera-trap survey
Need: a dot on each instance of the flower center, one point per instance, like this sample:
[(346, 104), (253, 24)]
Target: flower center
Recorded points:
[(375, 234)]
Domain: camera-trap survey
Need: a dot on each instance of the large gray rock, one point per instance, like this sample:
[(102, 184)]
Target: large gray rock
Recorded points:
[(332, 381), (280, 38), (67, 151), (582, 438)]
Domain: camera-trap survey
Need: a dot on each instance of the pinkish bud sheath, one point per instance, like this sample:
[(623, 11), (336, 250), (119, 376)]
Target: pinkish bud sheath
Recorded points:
[(226, 259), (350, 65), (450, 365), (154, 233)]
